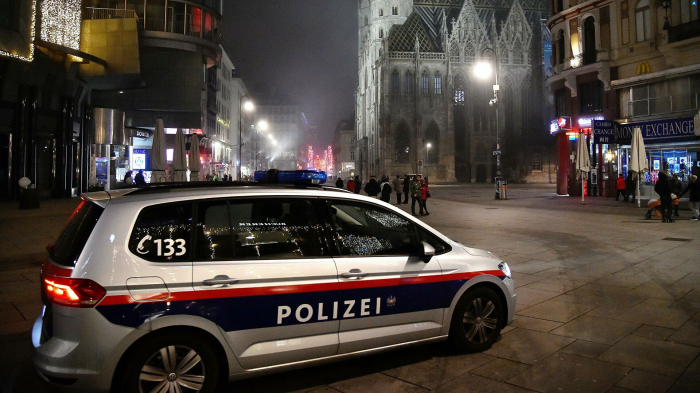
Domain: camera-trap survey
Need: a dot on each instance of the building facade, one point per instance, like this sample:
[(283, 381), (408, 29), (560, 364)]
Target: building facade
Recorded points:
[(83, 82), (344, 151), (421, 108), (618, 65)]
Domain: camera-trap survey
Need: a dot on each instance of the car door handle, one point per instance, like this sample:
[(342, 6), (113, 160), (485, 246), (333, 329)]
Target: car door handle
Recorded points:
[(354, 274), (220, 280)]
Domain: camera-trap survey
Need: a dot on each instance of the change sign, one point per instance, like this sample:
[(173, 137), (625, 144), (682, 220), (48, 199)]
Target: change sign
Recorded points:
[(603, 131)]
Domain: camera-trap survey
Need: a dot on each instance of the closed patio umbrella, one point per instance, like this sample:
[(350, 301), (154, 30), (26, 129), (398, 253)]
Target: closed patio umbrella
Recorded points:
[(180, 158), (158, 158), (638, 158), (194, 158), (583, 162)]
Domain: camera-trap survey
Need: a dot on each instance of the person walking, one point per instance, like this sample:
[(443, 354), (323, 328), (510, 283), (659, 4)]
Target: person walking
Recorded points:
[(694, 202), (663, 188), (351, 185), (676, 188), (424, 195), (621, 187), (398, 187), (372, 187), (358, 185), (416, 186), (406, 186), (386, 190), (631, 183), (139, 179), (339, 182)]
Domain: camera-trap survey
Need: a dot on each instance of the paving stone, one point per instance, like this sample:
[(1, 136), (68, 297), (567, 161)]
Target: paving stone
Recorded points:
[(375, 383), (644, 381), (471, 383), (586, 349), (596, 329), (689, 333), (531, 267), (9, 314), (528, 346), (689, 380), (501, 369), (567, 373), (555, 310), (656, 315), (540, 325), (522, 279), (558, 285), (607, 312), (438, 370), (655, 332), (654, 289), (647, 354), (529, 296)]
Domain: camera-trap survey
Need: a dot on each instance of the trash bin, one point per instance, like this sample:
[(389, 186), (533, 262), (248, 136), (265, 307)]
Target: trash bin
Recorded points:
[(501, 186), (28, 198)]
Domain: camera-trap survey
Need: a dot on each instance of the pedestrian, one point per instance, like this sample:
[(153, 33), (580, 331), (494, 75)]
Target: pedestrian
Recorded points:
[(351, 185), (663, 188), (424, 195), (416, 186), (339, 182), (398, 187), (139, 179), (386, 190), (128, 179), (358, 184), (621, 186), (694, 201), (676, 188), (406, 186), (631, 183), (372, 187)]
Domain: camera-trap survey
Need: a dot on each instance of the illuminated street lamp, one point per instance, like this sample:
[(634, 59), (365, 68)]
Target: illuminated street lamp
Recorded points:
[(248, 106), (262, 126), (483, 70), (427, 153)]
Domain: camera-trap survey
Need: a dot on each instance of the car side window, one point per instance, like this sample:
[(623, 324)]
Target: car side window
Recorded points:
[(162, 233), (365, 229), (275, 229), (438, 244), (213, 231)]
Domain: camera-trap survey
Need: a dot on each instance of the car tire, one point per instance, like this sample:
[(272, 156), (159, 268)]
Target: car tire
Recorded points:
[(477, 320), (160, 360)]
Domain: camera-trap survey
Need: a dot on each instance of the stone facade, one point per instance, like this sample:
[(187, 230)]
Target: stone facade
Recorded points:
[(420, 107)]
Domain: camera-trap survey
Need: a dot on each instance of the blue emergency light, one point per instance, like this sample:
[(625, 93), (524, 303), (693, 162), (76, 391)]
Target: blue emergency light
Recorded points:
[(294, 177)]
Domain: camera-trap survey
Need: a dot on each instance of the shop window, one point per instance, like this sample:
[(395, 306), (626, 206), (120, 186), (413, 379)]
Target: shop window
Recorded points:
[(591, 97), (689, 11)]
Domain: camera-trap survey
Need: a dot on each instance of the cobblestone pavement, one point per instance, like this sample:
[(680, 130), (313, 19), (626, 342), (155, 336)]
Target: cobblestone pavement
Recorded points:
[(607, 301)]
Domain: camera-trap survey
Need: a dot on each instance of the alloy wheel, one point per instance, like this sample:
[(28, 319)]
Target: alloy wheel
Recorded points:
[(480, 320), (175, 368)]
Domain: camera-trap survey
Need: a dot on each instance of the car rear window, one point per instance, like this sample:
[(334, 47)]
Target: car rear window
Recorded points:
[(71, 241)]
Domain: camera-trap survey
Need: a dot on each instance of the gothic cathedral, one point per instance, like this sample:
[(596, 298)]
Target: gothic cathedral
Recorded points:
[(422, 108)]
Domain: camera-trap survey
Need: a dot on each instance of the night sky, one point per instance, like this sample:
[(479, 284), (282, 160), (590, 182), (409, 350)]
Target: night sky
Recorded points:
[(305, 48)]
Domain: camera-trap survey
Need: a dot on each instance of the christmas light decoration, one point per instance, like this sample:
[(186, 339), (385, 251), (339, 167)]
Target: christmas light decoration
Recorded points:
[(31, 41), (60, 22)]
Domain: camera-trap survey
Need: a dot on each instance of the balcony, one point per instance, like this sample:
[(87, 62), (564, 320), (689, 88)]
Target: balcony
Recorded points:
[(684, 31), (94, 13), (664, 105)]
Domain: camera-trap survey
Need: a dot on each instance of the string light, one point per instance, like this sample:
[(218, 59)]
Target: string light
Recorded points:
[(31, 41), (60, 22)]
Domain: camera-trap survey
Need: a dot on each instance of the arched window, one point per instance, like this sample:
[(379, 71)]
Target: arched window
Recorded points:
[(560, 47), (381, 33), (459, 92), (518, 55), (408, 82), (438, 83), (381, 12), (424, 83), (366, 21), (469, 53), (395, 87), (643, 18), (589, 51)]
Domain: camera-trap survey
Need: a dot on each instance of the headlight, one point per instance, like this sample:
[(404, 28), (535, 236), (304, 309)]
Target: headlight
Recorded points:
[(504, 268)]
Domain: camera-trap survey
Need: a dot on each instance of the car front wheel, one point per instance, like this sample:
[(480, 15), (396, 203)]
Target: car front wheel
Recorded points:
[(477, 320), (171, 363)]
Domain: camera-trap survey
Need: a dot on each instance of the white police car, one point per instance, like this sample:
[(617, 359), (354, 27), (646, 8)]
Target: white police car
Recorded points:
[(181, 287)]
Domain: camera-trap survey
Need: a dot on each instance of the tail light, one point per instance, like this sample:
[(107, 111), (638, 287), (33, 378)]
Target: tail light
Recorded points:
[(73, 292)]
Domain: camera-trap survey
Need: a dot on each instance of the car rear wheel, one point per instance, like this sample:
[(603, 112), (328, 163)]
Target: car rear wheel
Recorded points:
[(477, 320), (172, 363)]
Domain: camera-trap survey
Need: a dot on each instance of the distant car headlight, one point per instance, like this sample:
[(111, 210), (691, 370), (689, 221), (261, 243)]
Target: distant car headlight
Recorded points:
[(504, 268)]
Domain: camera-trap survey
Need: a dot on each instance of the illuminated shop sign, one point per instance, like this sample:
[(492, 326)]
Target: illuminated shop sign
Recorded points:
[(138, 159), (667, 130), (587, 122), (562, 123), (603, 131)]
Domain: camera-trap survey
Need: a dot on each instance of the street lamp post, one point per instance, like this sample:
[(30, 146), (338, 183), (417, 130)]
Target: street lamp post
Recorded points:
[(248, 106), (427, 153), (483, 70)]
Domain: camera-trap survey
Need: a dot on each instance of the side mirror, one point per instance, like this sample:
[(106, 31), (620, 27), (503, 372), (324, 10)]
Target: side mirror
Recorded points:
[(428, 252)]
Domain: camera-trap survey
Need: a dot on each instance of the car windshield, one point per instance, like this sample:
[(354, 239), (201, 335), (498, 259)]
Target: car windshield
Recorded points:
[(72, 239)]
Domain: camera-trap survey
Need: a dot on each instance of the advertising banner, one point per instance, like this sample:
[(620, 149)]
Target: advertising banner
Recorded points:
[(603, 131)]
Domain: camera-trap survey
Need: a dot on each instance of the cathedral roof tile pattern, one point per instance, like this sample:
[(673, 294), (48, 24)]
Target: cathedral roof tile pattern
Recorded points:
[(402, 38)]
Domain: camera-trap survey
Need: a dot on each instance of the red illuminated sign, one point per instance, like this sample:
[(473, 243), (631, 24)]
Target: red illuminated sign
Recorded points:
[(564, 123)]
